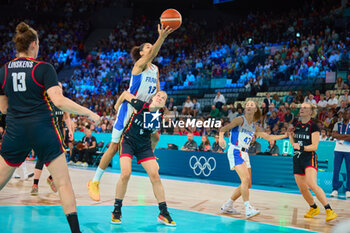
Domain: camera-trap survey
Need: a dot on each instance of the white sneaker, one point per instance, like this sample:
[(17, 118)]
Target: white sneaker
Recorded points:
[(70, 162), (347, 194), (78, 163), (228, 209), (334, 193), (85, 164), (251, 212)]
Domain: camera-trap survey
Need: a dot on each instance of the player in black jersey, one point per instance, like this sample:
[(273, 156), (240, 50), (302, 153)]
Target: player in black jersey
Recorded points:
[(62, 120), (304, 140), (136, 141), (27, 86)]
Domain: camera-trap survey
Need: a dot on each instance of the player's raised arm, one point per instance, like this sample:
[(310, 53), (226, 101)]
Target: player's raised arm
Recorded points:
[(141, 63), (125, 96)]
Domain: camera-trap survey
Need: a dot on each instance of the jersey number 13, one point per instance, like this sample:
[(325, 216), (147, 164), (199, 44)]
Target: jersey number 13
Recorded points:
[(19, 81)]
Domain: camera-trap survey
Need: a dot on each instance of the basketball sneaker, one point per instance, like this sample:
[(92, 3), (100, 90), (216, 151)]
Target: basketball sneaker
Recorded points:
[(35, 190), (330, 215), (227, 208), (51, 184), (251, 212), (334, 193), (312, 212), (347, 194), (116, 217), (166, 219), (94, 191)]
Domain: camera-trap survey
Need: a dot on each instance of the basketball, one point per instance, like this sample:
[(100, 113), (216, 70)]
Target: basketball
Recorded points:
[(171, 18)]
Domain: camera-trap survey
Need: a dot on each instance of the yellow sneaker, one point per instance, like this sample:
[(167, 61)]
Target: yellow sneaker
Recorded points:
[(166, 219), (330, 215), (94, 191), (116, 218), (312, 212)]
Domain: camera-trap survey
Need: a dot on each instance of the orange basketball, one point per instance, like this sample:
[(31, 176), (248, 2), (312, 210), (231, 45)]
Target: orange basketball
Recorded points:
[(171, 18)]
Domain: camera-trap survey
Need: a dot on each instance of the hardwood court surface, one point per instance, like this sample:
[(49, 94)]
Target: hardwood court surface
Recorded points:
[(277, 208)]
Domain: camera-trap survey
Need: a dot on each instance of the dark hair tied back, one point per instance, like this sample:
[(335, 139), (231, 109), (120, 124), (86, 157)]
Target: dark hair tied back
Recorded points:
[(135, 52)]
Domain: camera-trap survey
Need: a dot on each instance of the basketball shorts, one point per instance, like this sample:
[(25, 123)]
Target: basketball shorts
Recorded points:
[(303, 160), (125, 111), (236, 157), (141, 150), (21, 136)]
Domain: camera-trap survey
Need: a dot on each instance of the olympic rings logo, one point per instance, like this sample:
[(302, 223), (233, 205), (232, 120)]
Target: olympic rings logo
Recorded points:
[(202, 165)]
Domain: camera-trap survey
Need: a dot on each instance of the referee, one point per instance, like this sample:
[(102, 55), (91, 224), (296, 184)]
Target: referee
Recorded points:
[(341, 132)]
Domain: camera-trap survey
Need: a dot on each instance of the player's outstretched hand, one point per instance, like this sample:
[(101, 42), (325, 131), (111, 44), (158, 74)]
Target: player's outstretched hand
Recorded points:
[(164, 32), (96, 118), (222, 143)]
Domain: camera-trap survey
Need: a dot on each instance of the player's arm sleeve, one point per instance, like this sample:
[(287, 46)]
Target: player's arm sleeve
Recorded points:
[(137, 104), (314, 128), (46, 75)]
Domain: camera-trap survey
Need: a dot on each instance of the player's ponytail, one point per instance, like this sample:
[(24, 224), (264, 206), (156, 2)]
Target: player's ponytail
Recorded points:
[(257, 114), (135, 52), (25, 35)]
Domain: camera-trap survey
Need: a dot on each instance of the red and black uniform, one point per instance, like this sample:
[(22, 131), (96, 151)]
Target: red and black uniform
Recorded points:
[(30, 120), (136, 139), (302, 136)]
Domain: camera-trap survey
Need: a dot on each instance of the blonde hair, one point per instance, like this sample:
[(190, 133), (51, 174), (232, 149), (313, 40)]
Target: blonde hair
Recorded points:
[(313, 109)]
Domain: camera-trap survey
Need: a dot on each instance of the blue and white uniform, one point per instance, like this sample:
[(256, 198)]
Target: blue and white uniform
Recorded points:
[(144, 87), (240, 138)]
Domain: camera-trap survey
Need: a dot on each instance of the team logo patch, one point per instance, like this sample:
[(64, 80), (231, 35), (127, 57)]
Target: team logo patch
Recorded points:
[(152, 120)]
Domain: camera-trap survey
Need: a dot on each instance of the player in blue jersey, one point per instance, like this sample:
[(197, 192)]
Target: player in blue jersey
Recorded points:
[(144, 84), (242, 130)]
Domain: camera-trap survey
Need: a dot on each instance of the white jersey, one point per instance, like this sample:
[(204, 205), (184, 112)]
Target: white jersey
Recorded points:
[(144, 85), (242, 135)]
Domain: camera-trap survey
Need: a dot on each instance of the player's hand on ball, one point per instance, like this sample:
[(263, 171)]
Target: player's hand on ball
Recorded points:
[(222, 143), (296, 146), (164, 32)]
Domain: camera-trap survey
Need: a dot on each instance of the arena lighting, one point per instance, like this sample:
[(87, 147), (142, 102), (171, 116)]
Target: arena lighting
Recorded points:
[(297, 34)]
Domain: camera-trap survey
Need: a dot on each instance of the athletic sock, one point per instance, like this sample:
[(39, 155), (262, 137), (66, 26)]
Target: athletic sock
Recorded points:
[(118, 203), (98, 174), (73, 222), (163, 208), (313, 206), (36, 181), (229, 201), (247, 204), (327, 207)]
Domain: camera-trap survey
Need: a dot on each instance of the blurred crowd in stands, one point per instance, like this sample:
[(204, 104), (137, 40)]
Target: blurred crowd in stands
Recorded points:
[(257, 50)]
